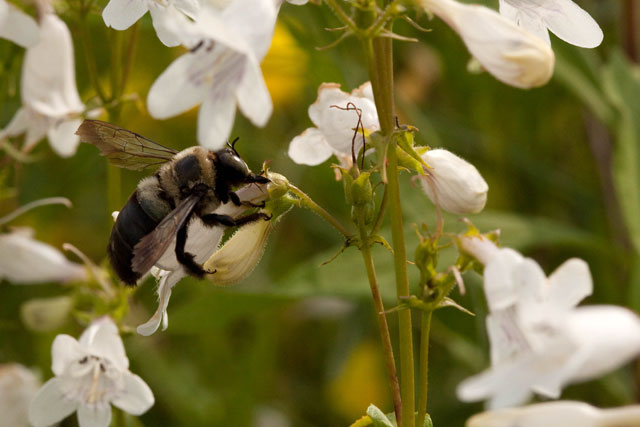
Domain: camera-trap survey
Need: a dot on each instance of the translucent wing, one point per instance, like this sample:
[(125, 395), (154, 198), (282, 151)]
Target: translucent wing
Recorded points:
[(124, 148), (152, 246)]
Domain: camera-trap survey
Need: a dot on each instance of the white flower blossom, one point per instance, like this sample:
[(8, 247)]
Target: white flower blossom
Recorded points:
[(540, 341), (511, 54), (335, 125), (562, 413), (17, 26), (171, 18), (563, 18), (90, 375), (453, 183), (18, 386), (221, 71), (26, 260), (51, 105)]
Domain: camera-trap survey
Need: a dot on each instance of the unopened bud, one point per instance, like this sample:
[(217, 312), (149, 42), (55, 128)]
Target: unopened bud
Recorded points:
[(453, 183), (46, 314)]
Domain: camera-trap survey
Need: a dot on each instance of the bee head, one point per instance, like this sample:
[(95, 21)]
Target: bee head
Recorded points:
[(231, 166)]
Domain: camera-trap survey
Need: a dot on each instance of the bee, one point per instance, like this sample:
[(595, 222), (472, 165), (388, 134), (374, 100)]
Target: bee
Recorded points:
[(192, 182)]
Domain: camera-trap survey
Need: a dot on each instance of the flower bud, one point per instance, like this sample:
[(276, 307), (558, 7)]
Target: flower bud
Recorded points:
[(453, 183), (361, 190)]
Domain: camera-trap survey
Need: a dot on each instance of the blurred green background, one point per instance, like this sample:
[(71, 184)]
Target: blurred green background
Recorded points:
[(298, 341)]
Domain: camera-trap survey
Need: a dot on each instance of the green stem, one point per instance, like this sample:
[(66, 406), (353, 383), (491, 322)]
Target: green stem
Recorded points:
[(129, 58), (383, 209), (85, 39), (423, 379), (382, 319), (308, 203), (381, 72), (335, 7)]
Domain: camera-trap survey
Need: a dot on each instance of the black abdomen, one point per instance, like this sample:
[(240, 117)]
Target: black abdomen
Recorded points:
[(132, 224)]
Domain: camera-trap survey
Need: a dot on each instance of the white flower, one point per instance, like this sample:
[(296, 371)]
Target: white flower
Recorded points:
[(170, 17), (563, 18), (26, 260), (335, 127), (203, 242), (540, 341), (51, 104), (17, 26), (555, 414), (90, 375), (221, 71), (18, 386), (513, 55), (453, 183)]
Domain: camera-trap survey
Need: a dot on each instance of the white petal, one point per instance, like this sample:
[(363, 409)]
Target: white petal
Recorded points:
[(337, 124), (252, 21), (18, 124), (94, 416), (65, 351), (608, 335), (48, 73), (169, 24), (505, 335), (253, 96), (527, 20), (181, 86), (50, 406), (215, 118), (137, 397), (511, 54), (562, 413), (563, 18), (102, 339), (39, 125), (310, 148), (167, 282), (121, 14), (25, 260), (17, 26), (570, 283), (62, 137), (498, 284)]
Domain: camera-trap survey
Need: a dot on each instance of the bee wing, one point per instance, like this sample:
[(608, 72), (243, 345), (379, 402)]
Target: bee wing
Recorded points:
[(152, 246), (122, 147)]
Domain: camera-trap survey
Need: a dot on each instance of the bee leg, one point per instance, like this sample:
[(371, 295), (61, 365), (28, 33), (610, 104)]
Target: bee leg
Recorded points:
[(236, 201), (186, 259), (217, 219)]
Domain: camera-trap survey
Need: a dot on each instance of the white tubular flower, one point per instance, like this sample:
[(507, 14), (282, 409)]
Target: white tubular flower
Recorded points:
[(335, 127), (18, 386), (563, 18), (17, 26), (221, 71), (562, 413), (26, 260), (170, 17), (511, 54), (540, 341), (453, 183), (51, 105), (90, 375)]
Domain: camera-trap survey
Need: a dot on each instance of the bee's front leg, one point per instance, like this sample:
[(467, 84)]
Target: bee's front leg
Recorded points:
[(186, 259)]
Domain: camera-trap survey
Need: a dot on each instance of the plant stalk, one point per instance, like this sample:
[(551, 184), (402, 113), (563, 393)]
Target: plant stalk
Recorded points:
[(385, 337), (381, 74), (423, 367)]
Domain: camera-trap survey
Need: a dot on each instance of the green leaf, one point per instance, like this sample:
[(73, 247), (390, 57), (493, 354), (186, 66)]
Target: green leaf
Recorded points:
[(622, 83)]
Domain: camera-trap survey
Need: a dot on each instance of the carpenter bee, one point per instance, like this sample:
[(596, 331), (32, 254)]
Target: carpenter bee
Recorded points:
[(191, 182)]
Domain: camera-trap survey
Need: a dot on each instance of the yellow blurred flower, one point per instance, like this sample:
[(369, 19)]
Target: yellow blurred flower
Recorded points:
[(361, 382), (285, 67)]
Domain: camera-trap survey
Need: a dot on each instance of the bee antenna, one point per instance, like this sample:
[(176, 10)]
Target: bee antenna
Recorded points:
[(232, 144)]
